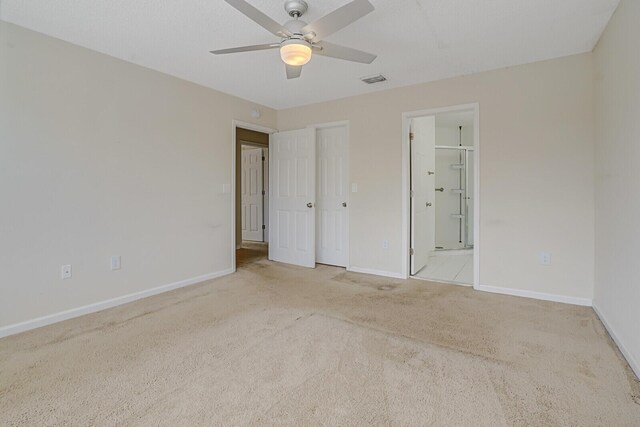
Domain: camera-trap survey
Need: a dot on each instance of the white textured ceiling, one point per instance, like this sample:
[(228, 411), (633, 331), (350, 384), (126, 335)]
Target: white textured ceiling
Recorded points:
[(415, 40)]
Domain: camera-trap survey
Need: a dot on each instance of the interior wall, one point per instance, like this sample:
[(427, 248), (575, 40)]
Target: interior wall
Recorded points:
[(536, 139), (617, 270), (100, 157), (447, 228), (259, 139)]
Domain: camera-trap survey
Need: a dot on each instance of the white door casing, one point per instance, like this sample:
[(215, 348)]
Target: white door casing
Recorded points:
[(265, 187), (292, 197), (332, 191), (251, 194), (422, 190)]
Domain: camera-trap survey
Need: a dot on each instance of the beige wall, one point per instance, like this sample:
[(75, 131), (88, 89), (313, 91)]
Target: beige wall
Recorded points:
[(537, 174), (99, 157), (617, 287)]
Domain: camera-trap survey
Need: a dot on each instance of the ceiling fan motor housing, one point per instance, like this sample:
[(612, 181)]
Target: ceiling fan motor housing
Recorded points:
[(295, 26), (295, 8)]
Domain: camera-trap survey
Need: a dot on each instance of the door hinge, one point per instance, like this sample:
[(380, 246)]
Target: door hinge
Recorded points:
[(411, 251), (263, 158), (263, 226), (411, 193), (411, 136), (263, 192)]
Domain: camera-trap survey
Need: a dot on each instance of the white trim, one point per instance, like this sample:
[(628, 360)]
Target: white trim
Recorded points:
[(376, 272), (476, 194), (271, 198), (330, 124), (587, 302), (634, 364), (16, 328), (249, 126), (406, 118), (346, 124), (252, 126), (266, 197)]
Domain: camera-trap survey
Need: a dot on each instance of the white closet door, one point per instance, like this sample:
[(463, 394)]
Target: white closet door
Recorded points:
[(332, 186), (422, 191), (292, 197), (252, 194)]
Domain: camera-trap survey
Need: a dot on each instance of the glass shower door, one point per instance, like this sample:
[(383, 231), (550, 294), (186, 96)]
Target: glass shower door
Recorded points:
[(454, 198)]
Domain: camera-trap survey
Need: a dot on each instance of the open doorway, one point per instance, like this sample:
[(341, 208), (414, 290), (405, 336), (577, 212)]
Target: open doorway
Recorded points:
[(252, 196), (442, 181)]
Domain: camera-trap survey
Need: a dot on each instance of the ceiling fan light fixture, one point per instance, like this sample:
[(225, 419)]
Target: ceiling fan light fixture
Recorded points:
[(295, 52)]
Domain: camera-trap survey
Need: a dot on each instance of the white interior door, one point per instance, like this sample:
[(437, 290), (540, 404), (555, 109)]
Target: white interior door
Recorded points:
[(292, 197), (251, 183), (423, 130), (332, 187)]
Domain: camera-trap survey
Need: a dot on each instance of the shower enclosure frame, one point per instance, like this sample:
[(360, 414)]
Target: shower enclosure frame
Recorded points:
[(465, 195), (406, 214)]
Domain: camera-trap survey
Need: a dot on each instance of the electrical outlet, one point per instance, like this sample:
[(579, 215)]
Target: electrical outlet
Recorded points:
[(545, 258), (66, 272), (385, 244), (115, 262)]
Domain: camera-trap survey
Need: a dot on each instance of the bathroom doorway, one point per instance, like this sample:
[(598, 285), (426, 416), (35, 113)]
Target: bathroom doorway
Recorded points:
[(442, 195)]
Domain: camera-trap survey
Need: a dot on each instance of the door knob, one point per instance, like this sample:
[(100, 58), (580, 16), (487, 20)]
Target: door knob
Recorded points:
[(309, 205), (430, 173), (344, 204), (441, 189), (429, 204)]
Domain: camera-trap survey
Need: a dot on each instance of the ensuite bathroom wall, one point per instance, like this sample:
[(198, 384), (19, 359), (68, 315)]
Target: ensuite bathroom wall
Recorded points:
[(454, 182)]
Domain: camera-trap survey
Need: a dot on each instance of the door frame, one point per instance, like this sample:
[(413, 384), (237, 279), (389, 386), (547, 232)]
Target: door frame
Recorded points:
[(260, 147), (268, 130), (406, 182), (346, 124), (234, 125), (265, 197)]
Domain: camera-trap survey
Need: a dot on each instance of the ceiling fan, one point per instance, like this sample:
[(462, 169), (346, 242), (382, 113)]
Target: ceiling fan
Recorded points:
[(299, 39)]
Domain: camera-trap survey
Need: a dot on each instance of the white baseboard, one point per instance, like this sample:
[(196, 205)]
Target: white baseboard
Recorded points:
[(536, 295), (16, 328), (375, 272), (633, 363)]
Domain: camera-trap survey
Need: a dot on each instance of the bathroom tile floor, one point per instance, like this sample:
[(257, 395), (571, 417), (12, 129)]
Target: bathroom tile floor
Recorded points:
[(449, 268)]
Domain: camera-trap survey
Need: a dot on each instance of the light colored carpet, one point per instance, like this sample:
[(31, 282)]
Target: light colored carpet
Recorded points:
[(275, 344)]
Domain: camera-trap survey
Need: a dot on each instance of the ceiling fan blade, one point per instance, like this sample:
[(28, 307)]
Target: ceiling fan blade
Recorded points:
[(260, 18), (293, 71), (338, 19), (246, 48), (342, 52)]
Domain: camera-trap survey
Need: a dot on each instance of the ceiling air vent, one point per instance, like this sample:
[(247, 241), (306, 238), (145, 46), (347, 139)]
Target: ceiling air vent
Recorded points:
[(378, 78)]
